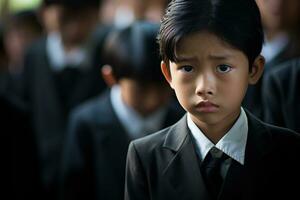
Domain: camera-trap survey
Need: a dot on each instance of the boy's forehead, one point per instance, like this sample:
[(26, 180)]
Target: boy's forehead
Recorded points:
[(206, 43)]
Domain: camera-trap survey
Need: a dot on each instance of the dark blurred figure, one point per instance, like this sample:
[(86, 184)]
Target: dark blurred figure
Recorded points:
[(20, 171), (281, 96), (20, 174), (281, 25), (124, 12), (3, 63), (100, 130), (60, 72), (21, 29), (281, 85), (49, 14)]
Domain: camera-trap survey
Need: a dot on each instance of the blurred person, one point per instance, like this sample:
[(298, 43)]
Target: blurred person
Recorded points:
[(281, 85), (124, 12), (49, 12), (60, 72), (280, 19), (100, 130), (21, 29), (281, 95), (20, 170)]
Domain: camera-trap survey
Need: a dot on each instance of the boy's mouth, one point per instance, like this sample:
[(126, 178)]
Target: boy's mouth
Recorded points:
[(207, 107)]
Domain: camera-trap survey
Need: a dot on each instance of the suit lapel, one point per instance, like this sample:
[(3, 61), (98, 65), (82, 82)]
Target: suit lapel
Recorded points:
[(114, 139), (182, 171), (45, 92)]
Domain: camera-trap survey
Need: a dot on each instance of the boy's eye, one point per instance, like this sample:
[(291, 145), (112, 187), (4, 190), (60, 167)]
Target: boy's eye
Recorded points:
[(224, 68), (186, 68)]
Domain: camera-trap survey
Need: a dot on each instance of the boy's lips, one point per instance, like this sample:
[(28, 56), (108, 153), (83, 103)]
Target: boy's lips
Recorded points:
[(207, 107)]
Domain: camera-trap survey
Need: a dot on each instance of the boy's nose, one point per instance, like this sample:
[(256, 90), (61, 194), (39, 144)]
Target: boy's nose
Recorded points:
[(205, 85)]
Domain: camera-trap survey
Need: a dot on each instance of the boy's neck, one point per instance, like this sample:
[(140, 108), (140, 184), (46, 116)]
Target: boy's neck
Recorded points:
[(214, 132)]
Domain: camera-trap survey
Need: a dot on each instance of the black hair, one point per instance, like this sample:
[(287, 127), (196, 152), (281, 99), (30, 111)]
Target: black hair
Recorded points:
[(133, 52), (236, 22)]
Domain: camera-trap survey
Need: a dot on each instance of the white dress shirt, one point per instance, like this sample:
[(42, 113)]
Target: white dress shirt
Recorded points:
[(272, 48), (233, 143), (59, 58), (136, 125)]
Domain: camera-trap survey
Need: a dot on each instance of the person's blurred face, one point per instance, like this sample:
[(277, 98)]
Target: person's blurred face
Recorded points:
[(291, 14), (144, 98), (76, 26), (50, 18), (16, 40), (271, 13)]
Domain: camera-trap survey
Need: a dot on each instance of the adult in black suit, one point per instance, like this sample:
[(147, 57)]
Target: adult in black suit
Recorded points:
[(281, 27), (59, 73), (281, 95), (95, 150), (211, 52)]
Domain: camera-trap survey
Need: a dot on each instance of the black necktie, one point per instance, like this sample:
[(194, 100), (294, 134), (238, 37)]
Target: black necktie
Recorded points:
[(211, 171)]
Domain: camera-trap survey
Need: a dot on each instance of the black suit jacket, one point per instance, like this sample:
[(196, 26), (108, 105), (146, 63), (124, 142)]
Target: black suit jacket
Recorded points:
[(165, 166), (95, 151), (19, 163), (281, 96), (253, 98)]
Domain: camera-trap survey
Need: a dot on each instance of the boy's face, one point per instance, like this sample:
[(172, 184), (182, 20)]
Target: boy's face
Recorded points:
[(210, 78)]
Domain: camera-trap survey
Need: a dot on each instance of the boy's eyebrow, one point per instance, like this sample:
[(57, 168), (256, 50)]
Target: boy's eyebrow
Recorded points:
[(186, 59), (220, 56), (211, 56)]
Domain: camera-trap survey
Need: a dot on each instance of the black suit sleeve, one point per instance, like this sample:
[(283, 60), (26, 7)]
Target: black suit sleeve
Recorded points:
[(272, 100), (136, 187), (76, 171)]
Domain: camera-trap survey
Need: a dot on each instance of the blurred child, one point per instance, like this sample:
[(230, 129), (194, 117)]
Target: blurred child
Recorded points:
[(139, 103)]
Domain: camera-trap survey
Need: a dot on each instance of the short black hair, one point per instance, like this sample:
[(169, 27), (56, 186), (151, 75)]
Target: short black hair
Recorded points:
[(237, 22), (133, 52)]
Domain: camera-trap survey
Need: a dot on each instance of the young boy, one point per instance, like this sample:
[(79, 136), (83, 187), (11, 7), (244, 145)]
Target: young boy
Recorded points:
[(210, 51), (100, 130)]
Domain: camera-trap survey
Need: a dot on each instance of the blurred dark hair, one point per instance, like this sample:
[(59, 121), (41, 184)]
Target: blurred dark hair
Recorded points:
[(237, 22), (81, 4), (26, 19), (50, 2), (3, 55), (133, 52)]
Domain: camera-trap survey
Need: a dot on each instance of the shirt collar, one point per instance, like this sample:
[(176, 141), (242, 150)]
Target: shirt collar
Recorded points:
[(233, 143), (135, 124), (59, 59), (272, 48)]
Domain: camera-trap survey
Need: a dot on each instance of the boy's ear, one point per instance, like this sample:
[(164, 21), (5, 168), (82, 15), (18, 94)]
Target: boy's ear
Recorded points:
[(257, 70), (166, 72), (108, 76)]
